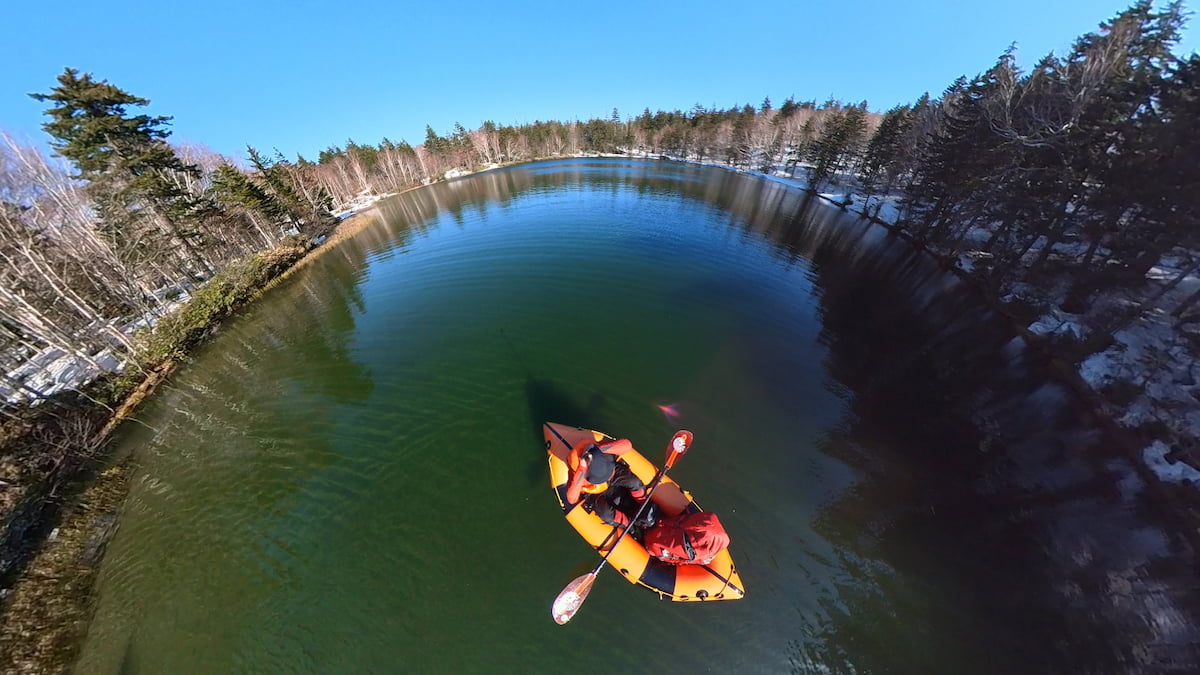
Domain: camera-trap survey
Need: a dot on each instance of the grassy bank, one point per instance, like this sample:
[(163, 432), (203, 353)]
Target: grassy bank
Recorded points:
[(60, 491)]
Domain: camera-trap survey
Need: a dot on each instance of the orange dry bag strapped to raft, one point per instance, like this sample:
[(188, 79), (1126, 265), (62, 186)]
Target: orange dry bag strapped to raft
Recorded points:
[(687, 539)]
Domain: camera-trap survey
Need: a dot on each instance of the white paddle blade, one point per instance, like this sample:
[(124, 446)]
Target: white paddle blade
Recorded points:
[(679, 445), (571, 597)]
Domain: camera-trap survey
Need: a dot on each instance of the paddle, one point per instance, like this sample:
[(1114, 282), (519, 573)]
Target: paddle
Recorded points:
[(571, 597)]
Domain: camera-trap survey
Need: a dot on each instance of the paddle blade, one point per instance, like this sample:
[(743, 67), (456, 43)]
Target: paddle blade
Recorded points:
[(571, 597), (680, 443)]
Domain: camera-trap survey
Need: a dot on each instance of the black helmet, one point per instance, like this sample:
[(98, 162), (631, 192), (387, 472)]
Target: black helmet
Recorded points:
[(601, 465)]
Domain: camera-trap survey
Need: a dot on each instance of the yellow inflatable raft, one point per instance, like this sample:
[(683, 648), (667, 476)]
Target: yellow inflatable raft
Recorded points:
[(718, 580)]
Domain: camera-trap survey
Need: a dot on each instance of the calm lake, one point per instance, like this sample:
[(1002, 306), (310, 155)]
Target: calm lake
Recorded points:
[(351, 478)]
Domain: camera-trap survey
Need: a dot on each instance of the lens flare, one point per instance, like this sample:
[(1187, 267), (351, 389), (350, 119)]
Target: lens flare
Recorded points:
[(670, 411)]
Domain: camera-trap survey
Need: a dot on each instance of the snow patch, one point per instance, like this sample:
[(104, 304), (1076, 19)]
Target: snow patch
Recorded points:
[(1058, 323), (1155, 456)]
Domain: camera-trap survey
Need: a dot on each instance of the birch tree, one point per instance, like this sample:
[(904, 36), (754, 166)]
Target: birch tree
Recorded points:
[(59, 277)]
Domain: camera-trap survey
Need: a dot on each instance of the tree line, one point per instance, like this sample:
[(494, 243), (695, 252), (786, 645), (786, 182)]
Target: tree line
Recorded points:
[(747, 137), (1085, 163), (120, 223), (1085, 167)]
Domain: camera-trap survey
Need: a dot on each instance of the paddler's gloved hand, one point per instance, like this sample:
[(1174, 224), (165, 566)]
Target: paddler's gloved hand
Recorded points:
[(649, 517)]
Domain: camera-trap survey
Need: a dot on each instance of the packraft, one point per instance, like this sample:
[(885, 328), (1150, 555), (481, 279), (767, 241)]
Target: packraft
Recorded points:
[(716, 579)]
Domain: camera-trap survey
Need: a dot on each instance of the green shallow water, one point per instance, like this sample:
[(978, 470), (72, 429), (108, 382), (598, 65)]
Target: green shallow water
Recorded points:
[(350, 477)]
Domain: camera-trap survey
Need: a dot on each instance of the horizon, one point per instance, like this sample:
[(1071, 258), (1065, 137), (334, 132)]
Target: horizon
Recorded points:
[(465, 65)]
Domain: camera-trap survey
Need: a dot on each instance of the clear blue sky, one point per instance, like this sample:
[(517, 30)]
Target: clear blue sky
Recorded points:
[(302, 75)]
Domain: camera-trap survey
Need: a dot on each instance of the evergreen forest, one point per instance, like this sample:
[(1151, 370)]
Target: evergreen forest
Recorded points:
[(1079, 173)]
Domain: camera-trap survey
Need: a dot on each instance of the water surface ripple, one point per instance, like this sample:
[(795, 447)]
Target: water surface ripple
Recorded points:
[(350, 478)]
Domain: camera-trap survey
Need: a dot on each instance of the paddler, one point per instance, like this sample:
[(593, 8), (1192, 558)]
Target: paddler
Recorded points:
[(613, 491)]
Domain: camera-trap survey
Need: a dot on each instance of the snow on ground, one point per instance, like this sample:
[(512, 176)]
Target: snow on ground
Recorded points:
[(1154, 357), (1058, 322), (363, 200), (1158, 359), (967, 259), (53, 370), (1155, 456)]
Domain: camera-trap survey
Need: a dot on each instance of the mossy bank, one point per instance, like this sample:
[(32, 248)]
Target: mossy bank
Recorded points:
[(61, 491)]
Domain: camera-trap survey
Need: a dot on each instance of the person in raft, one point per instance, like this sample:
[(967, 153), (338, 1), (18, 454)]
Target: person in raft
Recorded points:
[(613, 491)]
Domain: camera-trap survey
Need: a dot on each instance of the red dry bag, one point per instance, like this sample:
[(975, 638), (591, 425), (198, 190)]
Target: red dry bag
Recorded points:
[(687, 539)]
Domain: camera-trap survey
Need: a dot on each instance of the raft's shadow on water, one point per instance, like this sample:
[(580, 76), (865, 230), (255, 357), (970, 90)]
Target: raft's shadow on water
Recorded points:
[(128, 665), (549, 402)]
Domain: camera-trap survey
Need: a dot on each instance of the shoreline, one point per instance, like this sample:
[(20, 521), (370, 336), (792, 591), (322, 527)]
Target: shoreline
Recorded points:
[(45, 616), (46, 610), (1180, 507), (1177, 481)]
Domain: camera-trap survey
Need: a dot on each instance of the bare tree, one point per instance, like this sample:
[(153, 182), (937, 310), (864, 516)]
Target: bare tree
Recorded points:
[(56, 267)]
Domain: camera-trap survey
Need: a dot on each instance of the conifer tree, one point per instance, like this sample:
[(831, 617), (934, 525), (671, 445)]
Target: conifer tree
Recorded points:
[(127, 164), (434, 144), (881, 161), (837, 144), (232, 186), (1126, 112), (306, 207), (957, 160)]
